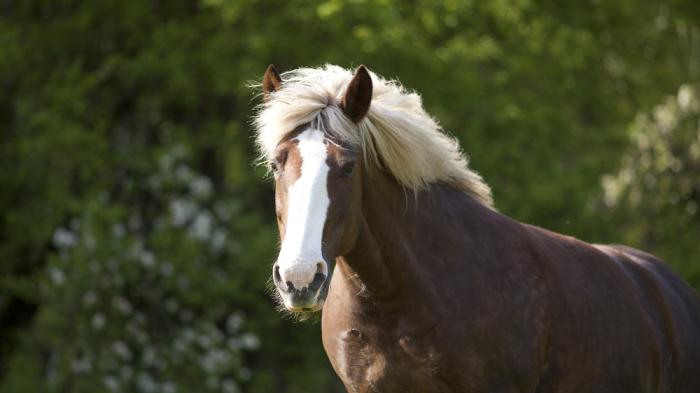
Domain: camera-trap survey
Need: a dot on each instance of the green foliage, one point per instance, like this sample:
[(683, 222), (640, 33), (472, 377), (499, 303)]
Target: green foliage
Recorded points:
[(136, 236), (656, 192)]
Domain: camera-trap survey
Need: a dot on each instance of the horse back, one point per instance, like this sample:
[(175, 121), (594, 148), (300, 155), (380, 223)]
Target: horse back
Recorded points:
[(674, 308), (620, 319)]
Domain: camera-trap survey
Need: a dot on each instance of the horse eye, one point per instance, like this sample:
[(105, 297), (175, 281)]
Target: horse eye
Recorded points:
[(278, 161), (347, 169)]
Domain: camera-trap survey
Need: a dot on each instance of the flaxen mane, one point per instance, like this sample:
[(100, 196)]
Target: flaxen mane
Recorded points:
[(396, 135)]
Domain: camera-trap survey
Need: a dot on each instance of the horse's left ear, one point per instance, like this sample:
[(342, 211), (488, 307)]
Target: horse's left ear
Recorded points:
[(271, 81), (358, 95)]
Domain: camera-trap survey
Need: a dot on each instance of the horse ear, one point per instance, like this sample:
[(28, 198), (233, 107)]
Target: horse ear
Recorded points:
[(358, 95), (271, 81)]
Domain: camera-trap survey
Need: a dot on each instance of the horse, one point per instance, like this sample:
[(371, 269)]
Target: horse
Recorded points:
[(423, 286)]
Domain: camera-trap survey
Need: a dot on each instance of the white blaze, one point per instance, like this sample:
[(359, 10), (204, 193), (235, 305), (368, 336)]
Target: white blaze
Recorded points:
[(306, 213)]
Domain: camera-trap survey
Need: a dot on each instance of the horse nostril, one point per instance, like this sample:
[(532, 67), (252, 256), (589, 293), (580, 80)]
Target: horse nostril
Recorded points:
[(321, 268), (299, 277), (276, 273)]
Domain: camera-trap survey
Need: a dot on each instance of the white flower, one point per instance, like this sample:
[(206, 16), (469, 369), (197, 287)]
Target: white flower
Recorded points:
[(234, 322), (147, 259), (184, 174), (146, 383), (204, 340), (57, 276), (245, 373), (215, 360), (250, 341), (685, 97), (166, 269), (218, 240), (89, 298), (202, 226), (149, 356), (118, 230), (201, 187), (98, 321), (63, 238), (122, 305), (126, 373), (122, 350), (229, 386), (169, 387), (111, 383), (181, 211), (81, 365)]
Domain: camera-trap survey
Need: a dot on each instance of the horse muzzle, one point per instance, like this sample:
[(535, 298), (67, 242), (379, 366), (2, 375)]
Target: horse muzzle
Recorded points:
[(301, 285)]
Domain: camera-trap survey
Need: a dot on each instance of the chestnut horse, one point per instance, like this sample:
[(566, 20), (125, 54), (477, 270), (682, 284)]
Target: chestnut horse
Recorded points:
[(424, 286)]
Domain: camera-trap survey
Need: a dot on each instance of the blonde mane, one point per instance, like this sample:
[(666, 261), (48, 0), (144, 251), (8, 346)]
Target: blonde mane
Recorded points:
[(397, 135)]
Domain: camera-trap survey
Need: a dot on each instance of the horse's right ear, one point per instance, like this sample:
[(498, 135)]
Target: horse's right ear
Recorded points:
[(271, 81), (358, 95)]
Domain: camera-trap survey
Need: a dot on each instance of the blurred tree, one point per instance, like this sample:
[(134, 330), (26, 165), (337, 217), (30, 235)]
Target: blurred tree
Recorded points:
[(656, 191), (137, 292), (134, 228)]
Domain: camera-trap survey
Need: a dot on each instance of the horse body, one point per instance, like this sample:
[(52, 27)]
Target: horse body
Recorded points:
[(493, 305), (423, 286)]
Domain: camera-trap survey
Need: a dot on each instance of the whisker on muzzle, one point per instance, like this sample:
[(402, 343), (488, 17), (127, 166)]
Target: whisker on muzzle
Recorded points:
[(294, 316)]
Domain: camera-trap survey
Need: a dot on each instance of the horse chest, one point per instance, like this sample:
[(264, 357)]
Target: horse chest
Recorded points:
[(382, 362)]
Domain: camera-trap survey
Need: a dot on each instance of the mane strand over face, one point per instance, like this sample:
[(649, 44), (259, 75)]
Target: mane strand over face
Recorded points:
[(396, 135)]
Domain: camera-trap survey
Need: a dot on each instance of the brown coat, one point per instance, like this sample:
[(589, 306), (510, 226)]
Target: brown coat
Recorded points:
[(441, 294)]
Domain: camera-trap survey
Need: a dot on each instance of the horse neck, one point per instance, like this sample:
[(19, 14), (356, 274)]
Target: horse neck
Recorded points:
[(384, 264)]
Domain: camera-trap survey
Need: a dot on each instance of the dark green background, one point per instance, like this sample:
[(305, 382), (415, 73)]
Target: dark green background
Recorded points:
[(136, 236)]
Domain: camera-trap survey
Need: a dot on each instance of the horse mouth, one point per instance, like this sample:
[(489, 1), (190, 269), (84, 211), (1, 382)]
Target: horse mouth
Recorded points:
[(307, 308), (305, 301)]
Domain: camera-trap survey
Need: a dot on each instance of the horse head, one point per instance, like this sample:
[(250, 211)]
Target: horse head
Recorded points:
[(317, 195)]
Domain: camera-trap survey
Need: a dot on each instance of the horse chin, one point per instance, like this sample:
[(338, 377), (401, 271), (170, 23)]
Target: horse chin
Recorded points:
[(312, 309), (307, 308), (299, 308), (302, 308), (302, 313)]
